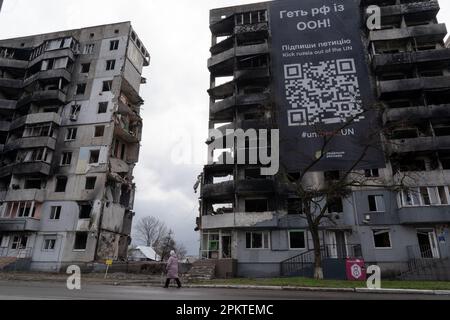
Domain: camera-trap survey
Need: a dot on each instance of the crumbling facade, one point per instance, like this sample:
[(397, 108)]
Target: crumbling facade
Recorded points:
[(255, 220), (70, 132)]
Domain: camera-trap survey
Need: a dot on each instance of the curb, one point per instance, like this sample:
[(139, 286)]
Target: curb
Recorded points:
[(319, 289)]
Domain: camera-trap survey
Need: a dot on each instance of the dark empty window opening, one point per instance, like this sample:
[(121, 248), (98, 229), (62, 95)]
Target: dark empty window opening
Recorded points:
[(66, 159), (99, 131), (335, 205), (85, 67), (61, 183), (55, 213), (102, 107), (110, 65), (332, 175), (382, 239), (297, 240), (71, 134), (80, 241), (294, 206), (445, 163), (81, 88), (399, 104), (94, 156), (33, 184), (85, 211), (431, 73), (90, 183), (376, 204), (259, 205), (107, 86), (442, 131), (74, 112), (122, 151), (437, 97), (372, 173), (114, 45)]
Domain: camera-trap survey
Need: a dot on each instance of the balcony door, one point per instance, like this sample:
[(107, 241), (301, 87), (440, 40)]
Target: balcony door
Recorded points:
[(428, 244)]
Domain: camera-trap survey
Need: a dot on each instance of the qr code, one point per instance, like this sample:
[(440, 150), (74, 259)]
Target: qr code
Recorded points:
[(324, 93)]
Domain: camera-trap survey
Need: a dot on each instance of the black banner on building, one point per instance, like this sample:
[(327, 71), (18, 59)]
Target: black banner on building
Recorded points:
[(322, 86)]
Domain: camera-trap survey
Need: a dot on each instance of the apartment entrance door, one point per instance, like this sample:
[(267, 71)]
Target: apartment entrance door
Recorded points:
[(336, 245), (428, 244), (226, 246)]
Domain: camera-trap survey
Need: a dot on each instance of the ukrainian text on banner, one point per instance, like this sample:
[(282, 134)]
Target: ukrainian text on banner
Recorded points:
[(322, 86)]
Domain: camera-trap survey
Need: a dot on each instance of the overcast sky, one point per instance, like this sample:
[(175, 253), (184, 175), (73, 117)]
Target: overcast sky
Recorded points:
[(176, 110)]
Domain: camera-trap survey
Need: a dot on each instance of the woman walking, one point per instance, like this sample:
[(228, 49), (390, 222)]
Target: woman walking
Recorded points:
[(172, 270)]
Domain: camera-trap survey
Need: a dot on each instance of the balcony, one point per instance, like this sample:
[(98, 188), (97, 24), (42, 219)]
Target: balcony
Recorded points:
[(424, 8), (11, 83), (425, 215), (257, 186), (25, 195), (19, 225), (252, 74), (240, 100), (425, 178), (222, 46), (126, 135), (6, 170), (31, 142), (54, 54), (223, 91), (44, 97), (419, 144), (13, 63), (386, 88), (218, 190), (26, 168), (7, 104), (226, 58), (240, 220), (433, 32), (222, 27), (118, 166), (49, 74), (36, 118), (261, 27), (417, 113), (384, 62)]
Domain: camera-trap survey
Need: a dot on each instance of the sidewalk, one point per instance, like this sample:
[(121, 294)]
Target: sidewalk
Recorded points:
[(122, 279)]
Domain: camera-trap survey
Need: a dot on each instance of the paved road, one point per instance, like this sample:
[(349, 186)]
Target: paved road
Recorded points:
[(15, 290)]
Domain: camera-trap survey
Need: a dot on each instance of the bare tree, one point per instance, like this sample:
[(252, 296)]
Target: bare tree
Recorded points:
[(181, 251), (166, 245), (317, 200), (151, 232)]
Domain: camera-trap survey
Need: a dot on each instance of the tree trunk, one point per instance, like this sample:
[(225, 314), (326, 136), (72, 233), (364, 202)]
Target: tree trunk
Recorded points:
[(318, 270)]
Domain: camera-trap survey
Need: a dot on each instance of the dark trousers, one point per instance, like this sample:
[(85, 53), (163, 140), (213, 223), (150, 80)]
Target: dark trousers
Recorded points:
[(168, 282)]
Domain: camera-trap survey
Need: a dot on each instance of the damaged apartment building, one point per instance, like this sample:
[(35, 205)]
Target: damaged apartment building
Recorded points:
[(254, 222), (70, 131)]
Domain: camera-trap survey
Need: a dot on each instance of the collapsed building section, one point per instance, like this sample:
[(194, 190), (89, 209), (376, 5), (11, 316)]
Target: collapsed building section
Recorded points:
[(70, 132)]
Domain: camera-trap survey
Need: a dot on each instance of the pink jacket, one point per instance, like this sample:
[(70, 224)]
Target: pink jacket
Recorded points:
[(172, 268)]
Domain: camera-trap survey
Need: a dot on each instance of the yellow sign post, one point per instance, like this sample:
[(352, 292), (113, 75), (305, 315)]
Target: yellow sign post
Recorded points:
[(109, 263)]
